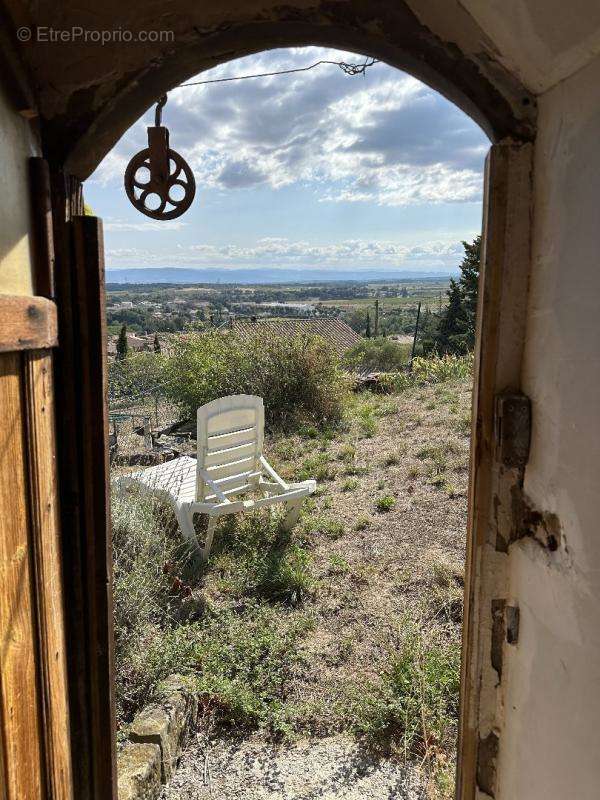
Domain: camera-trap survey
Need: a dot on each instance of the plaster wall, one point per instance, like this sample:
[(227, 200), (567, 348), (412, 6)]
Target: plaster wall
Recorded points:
[(17, 143), (540, 41), (551, 696)]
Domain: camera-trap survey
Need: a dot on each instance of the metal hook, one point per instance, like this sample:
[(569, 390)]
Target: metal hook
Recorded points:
[(158, 113)]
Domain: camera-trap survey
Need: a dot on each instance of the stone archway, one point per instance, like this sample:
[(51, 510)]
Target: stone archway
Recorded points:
[(90, 95)]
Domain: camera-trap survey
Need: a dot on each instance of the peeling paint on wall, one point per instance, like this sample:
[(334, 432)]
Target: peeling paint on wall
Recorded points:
[(542, 526)]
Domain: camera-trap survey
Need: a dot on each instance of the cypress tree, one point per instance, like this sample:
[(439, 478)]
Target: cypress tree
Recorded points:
[(452, 323), (156, 343), (122, 344), (469, 283), (456, 327)]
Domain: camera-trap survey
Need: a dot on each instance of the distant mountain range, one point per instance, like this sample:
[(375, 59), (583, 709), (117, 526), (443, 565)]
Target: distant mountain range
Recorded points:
[(266, 275)]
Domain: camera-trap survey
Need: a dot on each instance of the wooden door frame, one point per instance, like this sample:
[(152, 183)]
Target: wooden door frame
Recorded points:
[(501, 322), (82, 425)]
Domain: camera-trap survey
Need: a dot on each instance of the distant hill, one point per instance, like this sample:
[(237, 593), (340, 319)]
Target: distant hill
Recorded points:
[(261, 276)]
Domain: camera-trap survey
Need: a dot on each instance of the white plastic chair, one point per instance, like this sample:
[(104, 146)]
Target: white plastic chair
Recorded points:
[(230, 463)]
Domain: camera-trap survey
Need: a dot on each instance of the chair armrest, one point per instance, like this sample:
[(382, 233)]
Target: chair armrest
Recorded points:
[(206, 478), (273, 474)]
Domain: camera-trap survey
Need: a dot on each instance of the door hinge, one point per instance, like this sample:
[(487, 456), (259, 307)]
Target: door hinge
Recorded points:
[(513, 429)]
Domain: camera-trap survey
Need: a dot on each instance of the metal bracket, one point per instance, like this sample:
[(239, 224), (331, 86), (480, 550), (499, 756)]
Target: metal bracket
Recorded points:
[(512, 428)]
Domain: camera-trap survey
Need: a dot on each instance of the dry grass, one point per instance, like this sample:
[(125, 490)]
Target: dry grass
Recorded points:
[(378, 555), (385, 537)]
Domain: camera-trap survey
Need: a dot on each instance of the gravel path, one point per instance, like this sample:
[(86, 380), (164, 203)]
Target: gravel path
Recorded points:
[(333, 768)]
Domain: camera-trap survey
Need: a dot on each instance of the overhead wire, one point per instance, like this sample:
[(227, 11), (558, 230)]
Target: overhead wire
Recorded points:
[(346, 67)]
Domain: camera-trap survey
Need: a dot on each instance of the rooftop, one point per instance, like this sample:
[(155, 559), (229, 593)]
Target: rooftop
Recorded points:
[(333, 330)]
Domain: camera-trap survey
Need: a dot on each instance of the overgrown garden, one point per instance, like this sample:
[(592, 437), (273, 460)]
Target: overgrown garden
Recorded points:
[(351, 622)]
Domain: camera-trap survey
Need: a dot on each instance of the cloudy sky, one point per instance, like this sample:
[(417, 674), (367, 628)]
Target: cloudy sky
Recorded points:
[(305, 170)]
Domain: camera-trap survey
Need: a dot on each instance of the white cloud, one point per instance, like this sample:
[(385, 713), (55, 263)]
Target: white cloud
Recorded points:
[(277, 251), (143, 226), (112, 168), (385, 138)]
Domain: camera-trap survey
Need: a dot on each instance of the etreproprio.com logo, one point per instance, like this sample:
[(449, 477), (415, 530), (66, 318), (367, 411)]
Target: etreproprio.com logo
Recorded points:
[(80, 35)]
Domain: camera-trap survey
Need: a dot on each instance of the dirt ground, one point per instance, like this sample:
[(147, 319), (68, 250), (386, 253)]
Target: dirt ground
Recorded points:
[(333, 768), (374, 578)]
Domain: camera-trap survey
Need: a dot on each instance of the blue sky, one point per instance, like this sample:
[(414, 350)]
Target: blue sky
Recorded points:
[(315, 169)]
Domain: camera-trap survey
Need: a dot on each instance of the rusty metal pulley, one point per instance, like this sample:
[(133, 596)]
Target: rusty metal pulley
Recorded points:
[(158, 181)]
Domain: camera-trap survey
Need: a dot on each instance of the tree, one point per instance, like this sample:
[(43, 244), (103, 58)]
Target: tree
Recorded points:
[(368, 328), (453, 330), (122, 344), (356, 317), (156, 343), (452, 323), (469, 283)]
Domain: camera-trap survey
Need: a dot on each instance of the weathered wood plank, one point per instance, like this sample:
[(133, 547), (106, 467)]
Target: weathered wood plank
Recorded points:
[(43, 493), (27, 323), (66, 200), (83, 478), (43, 244), (20, 723), (88, 280)]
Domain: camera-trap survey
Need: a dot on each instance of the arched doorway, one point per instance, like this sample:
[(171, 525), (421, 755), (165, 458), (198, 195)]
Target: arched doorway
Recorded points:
[(80, 126), (342, 496)]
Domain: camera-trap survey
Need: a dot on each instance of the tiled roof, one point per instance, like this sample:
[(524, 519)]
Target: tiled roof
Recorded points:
[(137, 343), (333, 330)]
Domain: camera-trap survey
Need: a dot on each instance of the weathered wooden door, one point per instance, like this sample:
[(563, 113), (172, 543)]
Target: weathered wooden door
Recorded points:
[(35, 754), (56, 711)]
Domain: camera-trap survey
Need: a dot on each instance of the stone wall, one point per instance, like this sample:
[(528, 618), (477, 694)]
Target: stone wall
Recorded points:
[(156, 738)]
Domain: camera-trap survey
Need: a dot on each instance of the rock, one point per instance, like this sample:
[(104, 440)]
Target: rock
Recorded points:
[(148, 458), (172, 689), (139, 772), (165, 724)]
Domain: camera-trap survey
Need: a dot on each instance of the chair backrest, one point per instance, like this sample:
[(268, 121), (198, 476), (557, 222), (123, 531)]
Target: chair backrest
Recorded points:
[(230, 438)]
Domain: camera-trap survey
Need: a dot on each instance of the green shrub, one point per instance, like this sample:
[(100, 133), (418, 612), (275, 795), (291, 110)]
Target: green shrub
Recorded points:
[(338, 565), (385, 503), (140, 374), (244, 662), (376, 355), (362, 523), (367, 424), (347, 453), (355, 469), (299, 379), (414, 706), (430, 370), (387, 409), (443, 368), (317, 466), (256, 557), (286, 450), (394, 458), (332, 528)]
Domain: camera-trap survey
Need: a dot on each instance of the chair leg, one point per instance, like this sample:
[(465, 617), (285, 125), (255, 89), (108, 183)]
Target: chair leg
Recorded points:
[(210, 532), (185, 518), (292, 514)]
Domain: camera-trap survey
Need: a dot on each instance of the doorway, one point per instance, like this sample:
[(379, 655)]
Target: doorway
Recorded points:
[(379, 553)]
